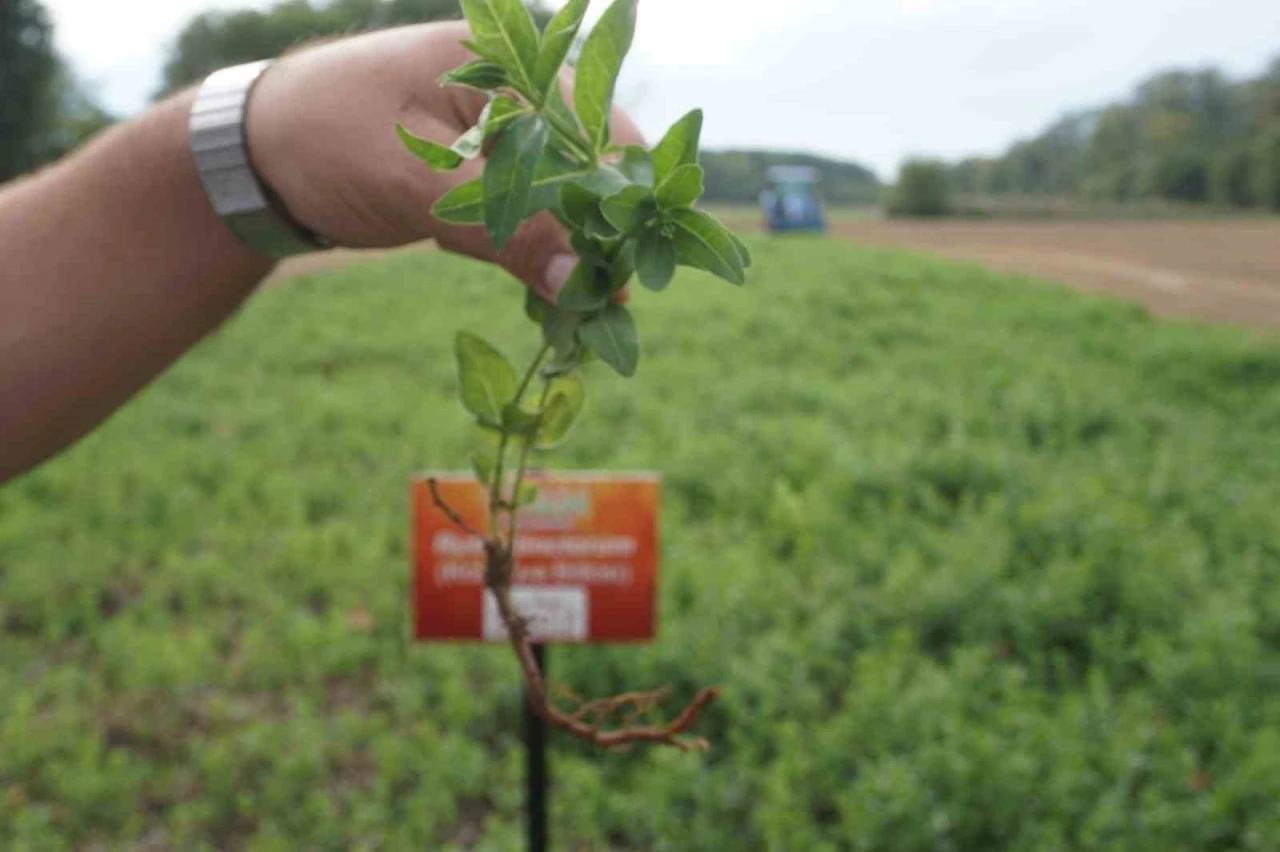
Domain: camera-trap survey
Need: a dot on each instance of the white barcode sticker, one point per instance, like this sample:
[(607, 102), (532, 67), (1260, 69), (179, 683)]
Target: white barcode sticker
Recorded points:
[(555, 613)]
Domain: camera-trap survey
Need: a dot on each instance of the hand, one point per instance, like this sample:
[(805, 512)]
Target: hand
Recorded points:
[(321, 130)]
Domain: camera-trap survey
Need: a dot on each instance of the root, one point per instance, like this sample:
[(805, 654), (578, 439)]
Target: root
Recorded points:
[(589, 720), (611, 722)]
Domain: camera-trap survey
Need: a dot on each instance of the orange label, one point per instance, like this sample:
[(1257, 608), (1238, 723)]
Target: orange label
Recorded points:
[(586, 560)]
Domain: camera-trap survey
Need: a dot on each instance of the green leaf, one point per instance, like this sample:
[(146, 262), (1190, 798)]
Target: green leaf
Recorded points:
[(584, 291), (597, 227), (526, 495), (744, 254), (611, 334), (517, 420), (598, 67), (682, 187), (565, 398), (603, 182), (483, 463), (488, 52), (576, 203), (478, 74), (469, 145), (585, 247), (502, 111), (680, 146), (622, 267), (655, 259), (508, 177), (557, 39), (556, 166), (565, 362), (558, 327), (462, 205), (637, 165), (628, 209), (580, 206), (554, 170), (486, 380), (703, 243), (535, 307), (504, 30), (435, 155), (559, 110)]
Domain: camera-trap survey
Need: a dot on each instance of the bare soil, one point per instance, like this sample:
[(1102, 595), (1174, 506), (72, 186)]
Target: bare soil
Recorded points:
[(1226, 270), (1221, 270)]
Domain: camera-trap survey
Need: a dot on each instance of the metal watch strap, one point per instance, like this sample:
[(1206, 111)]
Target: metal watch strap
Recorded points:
[(237, 194)]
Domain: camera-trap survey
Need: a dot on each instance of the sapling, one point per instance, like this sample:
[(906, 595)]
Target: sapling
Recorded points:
[(630, 213)]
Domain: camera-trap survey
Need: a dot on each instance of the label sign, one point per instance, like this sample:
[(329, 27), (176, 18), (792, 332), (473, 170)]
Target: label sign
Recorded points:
[(586, 560)]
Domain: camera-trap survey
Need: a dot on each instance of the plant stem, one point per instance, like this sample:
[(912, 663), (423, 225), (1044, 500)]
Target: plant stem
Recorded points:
[(533, 368), (495, 489), (520, 469), (571, 137)]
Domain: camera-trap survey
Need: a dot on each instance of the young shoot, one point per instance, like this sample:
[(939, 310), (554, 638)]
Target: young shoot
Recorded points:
[(630, 213)]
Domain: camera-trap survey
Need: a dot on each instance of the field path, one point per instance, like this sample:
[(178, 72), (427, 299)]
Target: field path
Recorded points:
[(1221, 270)]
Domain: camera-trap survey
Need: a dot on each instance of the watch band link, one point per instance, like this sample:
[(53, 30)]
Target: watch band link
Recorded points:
[(238, 195)]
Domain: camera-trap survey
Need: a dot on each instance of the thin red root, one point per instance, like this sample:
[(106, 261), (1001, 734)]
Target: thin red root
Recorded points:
[(586, 720), (575, 723)]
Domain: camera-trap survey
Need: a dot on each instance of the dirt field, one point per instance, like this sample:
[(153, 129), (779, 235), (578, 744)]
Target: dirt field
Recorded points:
[(1217, 270)]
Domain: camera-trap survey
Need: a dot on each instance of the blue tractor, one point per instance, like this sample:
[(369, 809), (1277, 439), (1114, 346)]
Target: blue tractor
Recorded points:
[(790, 200)]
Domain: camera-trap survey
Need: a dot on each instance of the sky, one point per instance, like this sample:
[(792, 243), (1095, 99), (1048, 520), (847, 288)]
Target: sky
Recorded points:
[(875, 81)]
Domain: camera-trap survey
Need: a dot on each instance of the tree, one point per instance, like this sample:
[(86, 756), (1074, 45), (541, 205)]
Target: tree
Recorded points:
[(1110, 162), (972, 176), (1266, 167), (1232, 176), (79, 116), (1180, 175), (922, 190), (739, 176), (28, 75), (1186, 135), (214, 40)]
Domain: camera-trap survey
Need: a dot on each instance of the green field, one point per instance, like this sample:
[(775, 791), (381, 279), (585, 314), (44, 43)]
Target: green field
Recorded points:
[(979, 564)]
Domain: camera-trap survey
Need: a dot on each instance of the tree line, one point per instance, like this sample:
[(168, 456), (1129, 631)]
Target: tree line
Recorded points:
[(45, 110), (1192, 136)]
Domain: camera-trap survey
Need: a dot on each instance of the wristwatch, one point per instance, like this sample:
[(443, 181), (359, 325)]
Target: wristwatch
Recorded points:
[(238, 194)]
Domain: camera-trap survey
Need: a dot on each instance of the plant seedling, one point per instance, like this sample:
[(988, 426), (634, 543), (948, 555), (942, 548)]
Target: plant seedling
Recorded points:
[(630, 213)]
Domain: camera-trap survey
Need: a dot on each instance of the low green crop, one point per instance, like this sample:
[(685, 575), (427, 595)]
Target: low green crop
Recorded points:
[(629, 212)]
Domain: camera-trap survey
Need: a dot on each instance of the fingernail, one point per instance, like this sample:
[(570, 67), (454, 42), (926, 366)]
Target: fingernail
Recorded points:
[(558, 272)]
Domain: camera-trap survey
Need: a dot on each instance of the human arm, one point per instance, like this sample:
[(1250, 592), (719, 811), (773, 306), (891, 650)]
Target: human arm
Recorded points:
[(115, 264)]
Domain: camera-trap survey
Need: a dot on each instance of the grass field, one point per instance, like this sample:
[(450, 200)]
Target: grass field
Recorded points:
[(979, 563)]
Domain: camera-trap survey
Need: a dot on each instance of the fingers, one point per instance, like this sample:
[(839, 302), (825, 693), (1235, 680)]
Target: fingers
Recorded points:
[(539, 254)]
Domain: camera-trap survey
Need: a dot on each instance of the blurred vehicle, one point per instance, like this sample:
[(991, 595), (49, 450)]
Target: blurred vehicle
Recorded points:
[(790, 200)]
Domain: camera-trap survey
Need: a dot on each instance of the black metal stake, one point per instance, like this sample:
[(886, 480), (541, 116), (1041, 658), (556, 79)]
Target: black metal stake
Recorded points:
[(535, 742)]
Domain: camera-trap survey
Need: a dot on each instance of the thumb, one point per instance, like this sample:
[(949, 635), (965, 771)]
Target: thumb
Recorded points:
[(539, 254)]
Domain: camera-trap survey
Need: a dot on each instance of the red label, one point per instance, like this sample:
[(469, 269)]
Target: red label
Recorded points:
[(586, 560)]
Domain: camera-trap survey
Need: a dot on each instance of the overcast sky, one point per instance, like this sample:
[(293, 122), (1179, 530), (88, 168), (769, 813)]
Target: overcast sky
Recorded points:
[(873, 80)]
